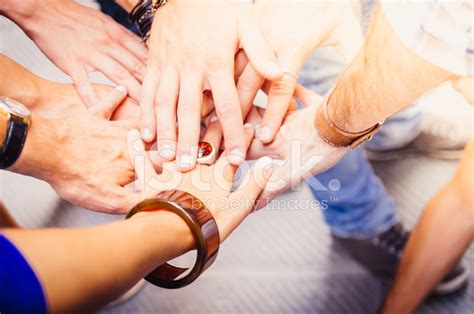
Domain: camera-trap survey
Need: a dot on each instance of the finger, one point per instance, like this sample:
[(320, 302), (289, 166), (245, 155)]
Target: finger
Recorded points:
[(135, 66), (189, 120), (292, 106), (214, 132), (207, 103), (128, 40), (107, 105), (258, 149), (243, 199), (144, 169), (223, 161), (228, 111), (258, 51), (84, 87), (125, 173), (119, 75), (254, 117), (165, 107), (127, 124), (147, 102), (133, 43), (306, 96), (279, 97), (241, 62), (264, 199), (247, 87)]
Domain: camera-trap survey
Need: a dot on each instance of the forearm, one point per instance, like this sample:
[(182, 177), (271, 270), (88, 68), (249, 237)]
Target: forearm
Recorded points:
[(20, 12), (40, 96), (99, 264), (445, 226), (20, 84), (43, 139), (383, 79)]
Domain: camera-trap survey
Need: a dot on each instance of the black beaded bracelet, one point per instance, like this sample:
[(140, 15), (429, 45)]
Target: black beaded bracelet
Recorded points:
[(142, 16)]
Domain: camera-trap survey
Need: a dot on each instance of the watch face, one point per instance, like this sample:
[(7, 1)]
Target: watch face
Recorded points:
[(14, 107)]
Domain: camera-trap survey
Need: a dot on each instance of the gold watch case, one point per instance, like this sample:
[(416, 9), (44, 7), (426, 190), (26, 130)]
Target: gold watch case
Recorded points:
[(11, 110)]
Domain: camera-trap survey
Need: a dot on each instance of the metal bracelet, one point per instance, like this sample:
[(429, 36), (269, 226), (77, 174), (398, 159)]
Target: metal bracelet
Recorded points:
[(142, 16)]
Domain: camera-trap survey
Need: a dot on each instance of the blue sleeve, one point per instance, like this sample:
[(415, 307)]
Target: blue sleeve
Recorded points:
[(20, 289)]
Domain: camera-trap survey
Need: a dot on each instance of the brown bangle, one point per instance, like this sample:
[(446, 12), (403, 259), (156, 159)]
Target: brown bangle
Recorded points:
[(333, 135), (203, 227)]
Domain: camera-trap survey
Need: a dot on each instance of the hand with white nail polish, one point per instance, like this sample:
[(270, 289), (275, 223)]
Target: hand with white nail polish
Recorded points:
[(209, 183), (293, 29), (298, 151), (192, 50)]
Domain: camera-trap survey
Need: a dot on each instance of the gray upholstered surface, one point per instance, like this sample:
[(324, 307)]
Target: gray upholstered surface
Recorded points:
[(279, 261)]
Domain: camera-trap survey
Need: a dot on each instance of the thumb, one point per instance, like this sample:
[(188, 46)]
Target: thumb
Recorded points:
[(107, 105), (244, 198)]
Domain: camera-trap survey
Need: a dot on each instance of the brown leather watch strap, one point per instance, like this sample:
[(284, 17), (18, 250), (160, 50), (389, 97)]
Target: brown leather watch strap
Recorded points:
[(203, 227), (336, 137)]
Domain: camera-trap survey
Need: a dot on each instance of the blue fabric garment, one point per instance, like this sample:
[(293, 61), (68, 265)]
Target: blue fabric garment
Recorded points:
[(358, 205), (20, 289), (111, 8)]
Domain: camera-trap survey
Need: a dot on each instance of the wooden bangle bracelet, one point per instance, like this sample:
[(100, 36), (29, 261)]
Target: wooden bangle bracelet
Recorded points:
[(203, 227)]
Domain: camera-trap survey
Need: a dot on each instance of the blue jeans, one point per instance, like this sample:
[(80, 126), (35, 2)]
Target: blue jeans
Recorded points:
[(358, 205)]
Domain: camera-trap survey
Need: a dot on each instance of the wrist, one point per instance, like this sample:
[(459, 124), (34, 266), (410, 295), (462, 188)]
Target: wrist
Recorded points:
[(344, 102), (57, 100), (19, 11), (37, 158), (153, 224), (31, 15), (329, 129), (25, 91)]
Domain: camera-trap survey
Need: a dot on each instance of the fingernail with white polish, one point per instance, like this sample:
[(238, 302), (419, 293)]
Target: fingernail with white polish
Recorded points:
[(167, 151), (265, 133), (146, 134), (185, 162), (248, 125), (236, 157), (213, 119), (121, 88)]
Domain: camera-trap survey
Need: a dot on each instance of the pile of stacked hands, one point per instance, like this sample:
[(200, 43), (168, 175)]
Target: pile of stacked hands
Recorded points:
[(164, 144)]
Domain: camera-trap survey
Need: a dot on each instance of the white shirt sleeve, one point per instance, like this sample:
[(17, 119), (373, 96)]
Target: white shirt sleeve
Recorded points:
[(439, 31)]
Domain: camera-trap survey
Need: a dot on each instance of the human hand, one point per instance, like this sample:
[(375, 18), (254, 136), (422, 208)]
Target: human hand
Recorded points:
[(209, 183), (58, 101), (298, 151), (293, 30), (83, 157), (192, 48), (79, 40)]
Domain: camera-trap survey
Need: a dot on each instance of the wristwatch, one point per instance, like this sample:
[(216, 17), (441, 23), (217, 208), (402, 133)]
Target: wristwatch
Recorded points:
[(14, 123)]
